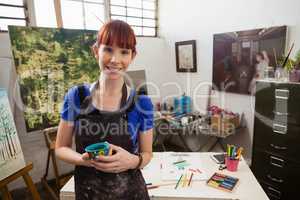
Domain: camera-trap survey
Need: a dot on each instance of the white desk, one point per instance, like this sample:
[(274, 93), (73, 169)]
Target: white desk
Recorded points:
[(247, 189)]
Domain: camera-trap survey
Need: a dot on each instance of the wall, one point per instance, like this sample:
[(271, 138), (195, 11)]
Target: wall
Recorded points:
[(199, 20), (151, 57)]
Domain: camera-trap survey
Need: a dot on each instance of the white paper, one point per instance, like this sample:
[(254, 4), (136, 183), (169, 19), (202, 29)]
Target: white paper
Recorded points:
[(191, 164)]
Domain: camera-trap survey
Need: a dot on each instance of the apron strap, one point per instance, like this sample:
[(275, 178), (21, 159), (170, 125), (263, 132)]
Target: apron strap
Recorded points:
[(124, 95), (86, 100)]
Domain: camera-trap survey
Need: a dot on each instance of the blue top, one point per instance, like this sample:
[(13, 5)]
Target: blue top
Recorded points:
[(140, 118)]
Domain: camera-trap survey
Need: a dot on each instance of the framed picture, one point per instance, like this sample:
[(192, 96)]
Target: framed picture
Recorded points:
[(46, 73), (241, 57), (186, 56)]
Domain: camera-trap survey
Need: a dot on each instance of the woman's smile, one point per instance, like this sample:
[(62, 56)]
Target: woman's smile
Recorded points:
[(112, 69)]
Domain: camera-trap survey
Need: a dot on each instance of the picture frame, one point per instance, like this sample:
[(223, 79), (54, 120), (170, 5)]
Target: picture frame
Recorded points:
[(186, 60)]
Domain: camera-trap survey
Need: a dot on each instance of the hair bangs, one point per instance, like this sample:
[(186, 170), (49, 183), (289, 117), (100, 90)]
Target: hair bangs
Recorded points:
[(117, 33)]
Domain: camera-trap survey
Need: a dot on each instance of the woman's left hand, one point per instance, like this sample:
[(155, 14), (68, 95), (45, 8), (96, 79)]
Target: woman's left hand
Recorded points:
[(120, 161)]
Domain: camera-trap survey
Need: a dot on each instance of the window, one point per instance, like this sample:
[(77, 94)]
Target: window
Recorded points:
[(12, 12), (45, 20), (91, 14), (82, 14), (140, 14)]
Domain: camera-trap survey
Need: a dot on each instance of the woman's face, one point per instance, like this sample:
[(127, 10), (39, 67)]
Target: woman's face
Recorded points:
[(258, 58), (114, 60)]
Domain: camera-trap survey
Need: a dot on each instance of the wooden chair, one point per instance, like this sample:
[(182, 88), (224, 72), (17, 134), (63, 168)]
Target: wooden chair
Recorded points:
[(60, 180)]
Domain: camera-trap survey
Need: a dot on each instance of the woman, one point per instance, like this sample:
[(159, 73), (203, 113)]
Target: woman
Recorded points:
[(262, 64), (104, 112)]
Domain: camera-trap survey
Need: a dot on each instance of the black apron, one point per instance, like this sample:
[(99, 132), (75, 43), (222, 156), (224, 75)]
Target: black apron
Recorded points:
[(97, 126)]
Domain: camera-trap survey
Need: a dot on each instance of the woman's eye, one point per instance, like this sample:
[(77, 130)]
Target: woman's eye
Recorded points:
[(125, 52), (108, 49)]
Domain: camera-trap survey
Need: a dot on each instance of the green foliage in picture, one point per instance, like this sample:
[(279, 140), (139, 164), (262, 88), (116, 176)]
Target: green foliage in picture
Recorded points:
[(48, 62)]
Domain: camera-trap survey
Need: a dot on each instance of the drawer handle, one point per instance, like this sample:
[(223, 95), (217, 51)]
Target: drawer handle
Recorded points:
[(278, 128), (278, 193), (274, 179), (277, 162), (281, 97), (282, 94), (280, 113), (278, 147)]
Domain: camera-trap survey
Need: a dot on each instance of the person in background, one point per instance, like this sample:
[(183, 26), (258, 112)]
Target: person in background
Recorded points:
[(262, 65), (108, 110)]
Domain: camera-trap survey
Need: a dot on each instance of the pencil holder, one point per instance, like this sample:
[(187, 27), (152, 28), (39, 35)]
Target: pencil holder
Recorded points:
[(98, 149), (231, 164)]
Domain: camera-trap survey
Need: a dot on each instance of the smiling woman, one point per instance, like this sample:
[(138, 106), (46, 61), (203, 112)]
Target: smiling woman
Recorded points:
[(108, 111)]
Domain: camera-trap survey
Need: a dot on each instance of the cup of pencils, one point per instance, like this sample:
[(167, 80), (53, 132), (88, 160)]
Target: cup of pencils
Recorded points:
[(232, 158)]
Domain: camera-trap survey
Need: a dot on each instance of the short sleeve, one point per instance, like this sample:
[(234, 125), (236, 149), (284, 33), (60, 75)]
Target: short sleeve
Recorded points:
[(145, 108), (70, 108)]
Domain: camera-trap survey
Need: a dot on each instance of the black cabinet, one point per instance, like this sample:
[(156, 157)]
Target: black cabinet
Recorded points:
[(276, 141)]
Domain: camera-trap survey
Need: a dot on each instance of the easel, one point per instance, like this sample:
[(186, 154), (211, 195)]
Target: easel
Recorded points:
[(24, 173), (60, 180)]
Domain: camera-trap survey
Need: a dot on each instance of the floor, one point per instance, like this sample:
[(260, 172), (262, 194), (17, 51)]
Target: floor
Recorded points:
[(24, 194)]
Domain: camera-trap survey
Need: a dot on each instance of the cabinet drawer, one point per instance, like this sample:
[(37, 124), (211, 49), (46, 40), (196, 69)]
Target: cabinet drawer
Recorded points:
[(278, 101), (277, 172), (272, 192), (276, 193), (287, 98), (280, 139)]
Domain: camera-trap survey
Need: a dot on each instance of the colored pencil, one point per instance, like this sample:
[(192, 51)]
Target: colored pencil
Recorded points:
[(178, 181), (190, 179), (152, 187), (179, 162)]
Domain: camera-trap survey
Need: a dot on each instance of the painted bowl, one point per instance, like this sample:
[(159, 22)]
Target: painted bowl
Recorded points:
[(98, 149)]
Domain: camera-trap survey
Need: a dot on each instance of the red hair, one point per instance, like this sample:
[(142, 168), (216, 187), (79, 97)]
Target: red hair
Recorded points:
[(116, 32)]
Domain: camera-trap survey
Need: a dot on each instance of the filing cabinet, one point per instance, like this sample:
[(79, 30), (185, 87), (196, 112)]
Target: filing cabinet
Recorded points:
[(276, 141)]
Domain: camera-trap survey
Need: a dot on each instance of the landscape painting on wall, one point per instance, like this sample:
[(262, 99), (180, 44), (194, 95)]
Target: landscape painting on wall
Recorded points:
[(238, 55), (11, 155), (48, 62)]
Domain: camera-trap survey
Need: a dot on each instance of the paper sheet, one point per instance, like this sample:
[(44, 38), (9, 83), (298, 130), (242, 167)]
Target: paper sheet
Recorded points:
[(176, 164)]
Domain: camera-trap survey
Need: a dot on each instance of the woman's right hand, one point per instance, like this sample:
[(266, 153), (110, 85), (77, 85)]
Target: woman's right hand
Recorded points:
[(86, 161)]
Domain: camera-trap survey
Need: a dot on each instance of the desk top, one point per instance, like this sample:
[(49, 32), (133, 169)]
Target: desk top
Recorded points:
[(247, 188)]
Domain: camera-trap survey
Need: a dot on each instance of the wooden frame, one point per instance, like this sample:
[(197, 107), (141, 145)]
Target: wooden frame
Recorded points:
[(24, 172), (186, 60)]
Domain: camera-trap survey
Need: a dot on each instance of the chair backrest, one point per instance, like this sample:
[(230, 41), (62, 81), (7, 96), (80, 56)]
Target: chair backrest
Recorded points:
[(50, 136)]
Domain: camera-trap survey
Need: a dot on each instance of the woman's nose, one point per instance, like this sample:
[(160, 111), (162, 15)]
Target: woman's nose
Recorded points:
[(115, 58)]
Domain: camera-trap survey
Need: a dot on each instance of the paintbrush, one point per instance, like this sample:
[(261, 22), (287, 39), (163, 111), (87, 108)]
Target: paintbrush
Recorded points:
[(287, 57), (275, 56)]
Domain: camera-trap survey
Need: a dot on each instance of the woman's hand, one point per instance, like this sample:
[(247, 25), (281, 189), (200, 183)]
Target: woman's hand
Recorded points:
[(85, 160), (120, 161)]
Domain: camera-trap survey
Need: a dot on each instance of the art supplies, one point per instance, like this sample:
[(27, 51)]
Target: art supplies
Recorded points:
[(232, 157), (287, 57), (154, 186), (234, 152), (175, 164), (178, 181), (222, 182), (191, 179), (184, 180)]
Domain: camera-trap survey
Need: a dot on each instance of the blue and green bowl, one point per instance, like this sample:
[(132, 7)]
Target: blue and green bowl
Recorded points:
[(98, 149)]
